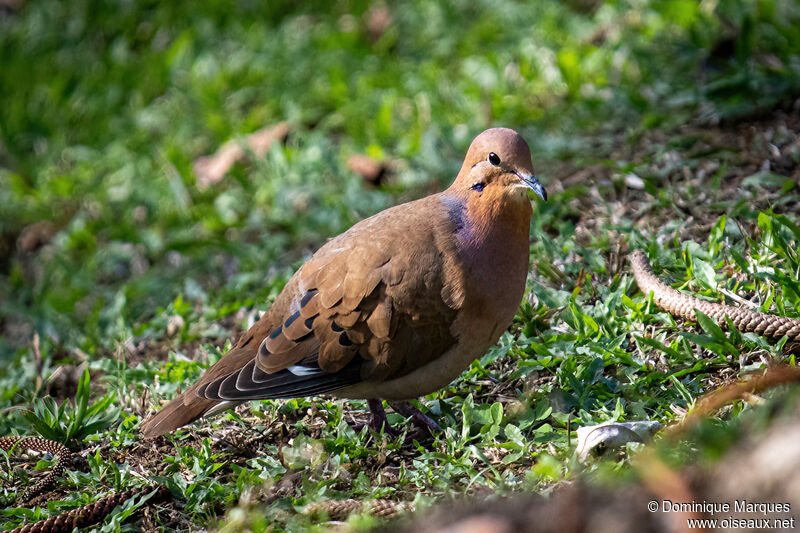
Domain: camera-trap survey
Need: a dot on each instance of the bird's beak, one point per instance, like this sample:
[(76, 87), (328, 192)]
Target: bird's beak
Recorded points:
[(533, 184)]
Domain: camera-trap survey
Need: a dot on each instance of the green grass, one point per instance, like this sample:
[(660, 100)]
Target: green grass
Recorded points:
[(655, 124)]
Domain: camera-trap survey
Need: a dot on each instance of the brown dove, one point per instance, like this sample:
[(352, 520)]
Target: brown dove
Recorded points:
[(395, 307)]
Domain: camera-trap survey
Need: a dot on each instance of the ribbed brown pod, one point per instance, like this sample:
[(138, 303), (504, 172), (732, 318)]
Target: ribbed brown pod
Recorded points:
[(341, 509), (681, 305), (88, 514), (80, 517), (59, 451)]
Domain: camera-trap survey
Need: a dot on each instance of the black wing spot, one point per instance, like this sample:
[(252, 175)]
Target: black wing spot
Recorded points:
[(291, 319), (344, 340), (307, 297), (274, 334), (335, 327)]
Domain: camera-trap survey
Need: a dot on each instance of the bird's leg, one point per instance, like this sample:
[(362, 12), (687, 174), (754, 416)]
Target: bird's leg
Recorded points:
[(426, 426), (377, 419)]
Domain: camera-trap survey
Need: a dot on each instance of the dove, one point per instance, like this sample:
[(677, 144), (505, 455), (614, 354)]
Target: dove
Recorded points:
[(394, 308)]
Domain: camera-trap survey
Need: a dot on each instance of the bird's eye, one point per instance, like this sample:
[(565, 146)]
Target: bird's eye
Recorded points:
[(493, 158), (478, 186)]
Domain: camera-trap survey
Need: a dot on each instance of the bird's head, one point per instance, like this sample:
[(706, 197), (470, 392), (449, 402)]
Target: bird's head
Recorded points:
[(498, 169)]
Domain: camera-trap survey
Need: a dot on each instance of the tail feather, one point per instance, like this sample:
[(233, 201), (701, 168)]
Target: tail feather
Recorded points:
[(188, 407), (183, 410)]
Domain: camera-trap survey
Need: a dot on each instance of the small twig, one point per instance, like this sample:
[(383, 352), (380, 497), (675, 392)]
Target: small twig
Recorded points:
[(737, 298), (37, 362)]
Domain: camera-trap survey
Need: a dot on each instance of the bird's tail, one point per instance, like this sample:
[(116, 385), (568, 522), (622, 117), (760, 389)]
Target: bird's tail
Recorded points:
[(184, 409), (188, 407)]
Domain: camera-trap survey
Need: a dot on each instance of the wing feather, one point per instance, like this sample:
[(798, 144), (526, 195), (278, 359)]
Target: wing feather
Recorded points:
[(361, 309)]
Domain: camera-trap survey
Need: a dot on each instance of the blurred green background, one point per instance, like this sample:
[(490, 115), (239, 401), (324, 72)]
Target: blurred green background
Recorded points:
[(106, 104)]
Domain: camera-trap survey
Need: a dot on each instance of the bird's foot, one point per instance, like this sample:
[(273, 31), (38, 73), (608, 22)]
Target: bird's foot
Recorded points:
[(426, 426)]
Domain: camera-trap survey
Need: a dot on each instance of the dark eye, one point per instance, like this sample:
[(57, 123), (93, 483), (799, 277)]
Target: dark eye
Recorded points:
[(478, 186), (493, 158)]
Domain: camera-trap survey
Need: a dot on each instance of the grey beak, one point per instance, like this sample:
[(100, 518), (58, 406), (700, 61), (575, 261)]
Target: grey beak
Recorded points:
[(533, 184)]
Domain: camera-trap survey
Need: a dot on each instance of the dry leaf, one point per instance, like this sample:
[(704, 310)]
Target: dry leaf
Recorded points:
[(211, 169), (378, 19), (369, 169)]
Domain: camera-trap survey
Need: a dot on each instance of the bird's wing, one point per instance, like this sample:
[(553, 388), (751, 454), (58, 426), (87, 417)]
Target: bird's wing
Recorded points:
[(369, 305), (374, 303)]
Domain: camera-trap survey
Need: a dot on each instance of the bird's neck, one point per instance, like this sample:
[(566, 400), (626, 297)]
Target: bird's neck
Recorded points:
[(486, 224)]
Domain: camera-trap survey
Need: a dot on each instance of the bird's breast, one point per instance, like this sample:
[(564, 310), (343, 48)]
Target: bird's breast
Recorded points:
[(494, 275)]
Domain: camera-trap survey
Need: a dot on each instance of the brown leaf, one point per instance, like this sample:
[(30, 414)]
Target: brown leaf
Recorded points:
[(35, 236), (369, 169), (378, 18), (211, 169)]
